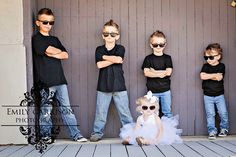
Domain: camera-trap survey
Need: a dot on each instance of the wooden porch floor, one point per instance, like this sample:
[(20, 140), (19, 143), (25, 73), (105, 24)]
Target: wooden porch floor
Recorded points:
[(191, 147)]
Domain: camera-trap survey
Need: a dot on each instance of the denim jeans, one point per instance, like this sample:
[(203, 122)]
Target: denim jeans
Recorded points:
[(210, 102), (67, 115), (165, 100), (103, 102)]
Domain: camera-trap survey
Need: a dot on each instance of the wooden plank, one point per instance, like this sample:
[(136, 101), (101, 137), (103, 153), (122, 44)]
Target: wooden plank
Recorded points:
[(185, 150), (70, 150), (135, 151), (102, 150), (23, 151), (10, 150), (183, 60), (35, 153), (216, 148), (56, 150), (200, 121), (118, 150), (226, 145), (92, 70), (231, 63), (232, 142), (133, 67), (86, 150), (141, 42), (168, 150), (215, 26), (191, 66), (3, 147), (204, 151), (173, 43), (152, 151)]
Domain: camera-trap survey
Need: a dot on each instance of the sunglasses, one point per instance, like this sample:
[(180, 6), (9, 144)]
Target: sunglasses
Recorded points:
[(160, 45), (47, 22), (112, 34), (150, 107), (209, 57)]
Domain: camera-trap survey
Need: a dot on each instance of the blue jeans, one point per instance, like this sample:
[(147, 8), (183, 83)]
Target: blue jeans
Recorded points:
[(103, 102), (210, 102), (165, 100), (67, 115)]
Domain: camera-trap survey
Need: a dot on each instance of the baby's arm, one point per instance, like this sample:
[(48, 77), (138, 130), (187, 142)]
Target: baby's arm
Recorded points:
[(150, 72), (213, 76), (138, 124), (160, 127)]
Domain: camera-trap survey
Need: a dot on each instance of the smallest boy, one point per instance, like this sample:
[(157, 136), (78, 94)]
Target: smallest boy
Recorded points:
[(212, 74), (158, 68)]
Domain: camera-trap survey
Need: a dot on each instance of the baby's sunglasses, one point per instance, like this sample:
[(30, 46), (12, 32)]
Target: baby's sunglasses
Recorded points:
[(47, 22), (150, 107), (210, 57), (112, 34), (155, 45)]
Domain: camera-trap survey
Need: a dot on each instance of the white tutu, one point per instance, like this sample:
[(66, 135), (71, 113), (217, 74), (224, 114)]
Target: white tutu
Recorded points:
[(149, 131)]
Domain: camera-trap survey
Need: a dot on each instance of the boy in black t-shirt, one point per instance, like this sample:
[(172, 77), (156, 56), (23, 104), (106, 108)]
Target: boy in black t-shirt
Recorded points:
[(212, 74), (47, 54), (158, 68), (111, 82)]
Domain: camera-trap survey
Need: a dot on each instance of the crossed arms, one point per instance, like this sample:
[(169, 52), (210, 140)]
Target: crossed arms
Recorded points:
[(56, 53), (150, 72), (109, 60), (214, 76)]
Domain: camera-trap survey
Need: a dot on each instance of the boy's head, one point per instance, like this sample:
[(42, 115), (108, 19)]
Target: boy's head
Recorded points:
[(213, 53), (45, 20), (158, 41), (110, 32)]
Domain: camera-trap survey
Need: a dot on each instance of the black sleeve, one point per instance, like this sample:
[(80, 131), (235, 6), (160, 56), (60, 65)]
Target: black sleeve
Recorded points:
[(120, 51), (39, 46), (222, 69), (98, 54), (60, 46), (146, 63), (204, 68), (169, 62)]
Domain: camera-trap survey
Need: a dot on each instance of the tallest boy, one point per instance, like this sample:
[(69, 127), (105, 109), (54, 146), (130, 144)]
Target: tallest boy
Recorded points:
[(47, 54)]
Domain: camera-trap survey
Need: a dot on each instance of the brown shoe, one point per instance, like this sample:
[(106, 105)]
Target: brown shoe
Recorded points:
[(139, 140), (125, 142)]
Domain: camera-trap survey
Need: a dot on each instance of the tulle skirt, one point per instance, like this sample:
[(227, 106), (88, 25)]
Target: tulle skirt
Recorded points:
[(149, 132)]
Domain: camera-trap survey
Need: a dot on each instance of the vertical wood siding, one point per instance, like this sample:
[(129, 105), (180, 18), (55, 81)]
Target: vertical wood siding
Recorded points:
[(190, 25)]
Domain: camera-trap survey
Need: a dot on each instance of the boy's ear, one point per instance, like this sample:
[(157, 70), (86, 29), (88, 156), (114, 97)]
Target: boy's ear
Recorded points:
[(37, 23), (151, 45), (117, 37)]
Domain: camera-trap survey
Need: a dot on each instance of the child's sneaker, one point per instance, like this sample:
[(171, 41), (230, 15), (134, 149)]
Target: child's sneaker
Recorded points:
[(81, 139), (212, 136), (223, 133)]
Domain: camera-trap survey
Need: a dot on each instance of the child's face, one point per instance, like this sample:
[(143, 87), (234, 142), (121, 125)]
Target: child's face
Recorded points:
[(110, 34), (148, 108), (158, 44), (212, 58), (45, 22)]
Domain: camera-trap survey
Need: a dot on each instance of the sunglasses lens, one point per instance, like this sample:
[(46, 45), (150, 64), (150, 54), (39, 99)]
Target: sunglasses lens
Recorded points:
[(156, 45), (105, 34), (144, 107), (113, 34), (152, 107), (47, 22), (51, 23), (205, 57), (211, 57)]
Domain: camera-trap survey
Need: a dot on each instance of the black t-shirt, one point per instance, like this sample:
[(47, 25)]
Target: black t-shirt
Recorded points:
[(158, 85), (212, 87), (47, 70), (111, 78)]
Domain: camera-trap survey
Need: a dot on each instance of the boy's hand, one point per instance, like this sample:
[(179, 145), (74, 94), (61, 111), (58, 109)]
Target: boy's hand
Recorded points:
[(219, 76)]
